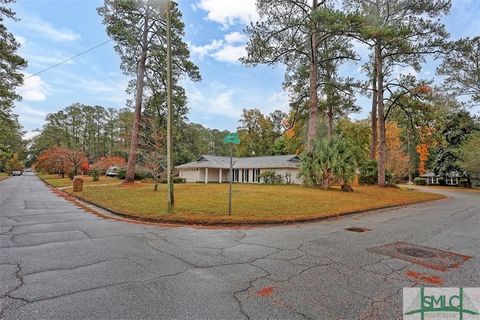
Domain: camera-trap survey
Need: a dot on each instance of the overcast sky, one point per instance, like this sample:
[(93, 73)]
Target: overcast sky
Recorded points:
[(53, 30)]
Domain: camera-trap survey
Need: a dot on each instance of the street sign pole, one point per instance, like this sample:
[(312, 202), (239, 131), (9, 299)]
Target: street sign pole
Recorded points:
[(231, 178), (231, 139)]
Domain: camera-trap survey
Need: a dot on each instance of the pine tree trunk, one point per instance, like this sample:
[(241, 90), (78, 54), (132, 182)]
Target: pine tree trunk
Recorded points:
[(313, 95), (132, 156), (330, 122), (373, 146), (381, 117)]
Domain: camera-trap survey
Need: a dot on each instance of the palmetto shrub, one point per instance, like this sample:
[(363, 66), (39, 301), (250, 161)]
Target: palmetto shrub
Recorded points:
[(329, 162)]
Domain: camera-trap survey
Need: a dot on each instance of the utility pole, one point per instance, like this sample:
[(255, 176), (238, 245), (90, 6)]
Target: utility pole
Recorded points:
[(409, 161), (170, 196)]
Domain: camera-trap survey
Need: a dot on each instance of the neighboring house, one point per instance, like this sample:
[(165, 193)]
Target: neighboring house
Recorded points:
[(248, 170), (452, 178)]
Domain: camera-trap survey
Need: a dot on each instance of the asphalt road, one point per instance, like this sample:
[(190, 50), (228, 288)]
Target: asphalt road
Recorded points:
[(60, 262)]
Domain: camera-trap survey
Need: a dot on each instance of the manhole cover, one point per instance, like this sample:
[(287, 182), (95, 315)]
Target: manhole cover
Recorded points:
[(356, 229), (415, 252), (425, 256)]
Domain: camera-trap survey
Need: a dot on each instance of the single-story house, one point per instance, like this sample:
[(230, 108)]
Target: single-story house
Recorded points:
[(452, 178), (248, 170)]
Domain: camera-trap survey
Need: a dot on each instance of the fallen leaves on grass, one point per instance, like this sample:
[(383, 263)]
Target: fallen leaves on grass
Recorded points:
[(208, 203)]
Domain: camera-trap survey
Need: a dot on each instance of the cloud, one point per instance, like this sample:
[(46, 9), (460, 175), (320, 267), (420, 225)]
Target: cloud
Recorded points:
[(28, 115), (229, 53), (213, 99), (235, 37), (399, 71), (229, 49), (33, 89), (53, 58), (202, 51), (218, 99), (30, 134), (46, 30), (228, 13), (278, 101)]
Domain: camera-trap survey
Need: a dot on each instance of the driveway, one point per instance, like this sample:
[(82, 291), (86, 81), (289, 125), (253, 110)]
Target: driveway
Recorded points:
[(58, 261)]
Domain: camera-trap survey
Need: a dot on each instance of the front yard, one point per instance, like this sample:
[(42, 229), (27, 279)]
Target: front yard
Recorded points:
[(3, 176), (200, 203), (59, 182)]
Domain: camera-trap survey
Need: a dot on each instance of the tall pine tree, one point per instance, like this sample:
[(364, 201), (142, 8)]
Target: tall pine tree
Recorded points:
[(10, 62), (138, 28), (399, 32)]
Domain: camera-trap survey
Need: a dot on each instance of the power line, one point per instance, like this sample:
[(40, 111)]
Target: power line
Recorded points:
[(71, 58)]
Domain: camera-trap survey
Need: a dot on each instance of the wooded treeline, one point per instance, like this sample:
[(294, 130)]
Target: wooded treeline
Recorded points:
[(99, 132)]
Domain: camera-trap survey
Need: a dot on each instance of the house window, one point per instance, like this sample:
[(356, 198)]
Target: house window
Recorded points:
[(255, 175), (245, 174), (235, 175)]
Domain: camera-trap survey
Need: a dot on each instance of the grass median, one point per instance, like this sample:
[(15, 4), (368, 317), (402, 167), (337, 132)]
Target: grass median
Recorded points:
[(207, 203)]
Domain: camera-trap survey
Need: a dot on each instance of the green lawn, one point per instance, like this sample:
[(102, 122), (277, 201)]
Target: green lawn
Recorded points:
[(59, 182), (200, 203), (3, 176)]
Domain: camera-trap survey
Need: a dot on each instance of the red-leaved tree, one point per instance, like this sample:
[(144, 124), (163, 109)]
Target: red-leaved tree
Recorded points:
[(62, 160), (104, 163)]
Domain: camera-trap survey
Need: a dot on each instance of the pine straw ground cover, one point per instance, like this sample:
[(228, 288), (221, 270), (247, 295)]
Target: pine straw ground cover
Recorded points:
[(207, 204), (59, 182)]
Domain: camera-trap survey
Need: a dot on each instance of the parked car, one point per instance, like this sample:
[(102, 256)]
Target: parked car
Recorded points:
[(16, 173), (112, 172)]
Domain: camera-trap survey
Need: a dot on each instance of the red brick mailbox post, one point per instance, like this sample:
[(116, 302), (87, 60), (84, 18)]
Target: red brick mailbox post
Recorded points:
[(77, 184)]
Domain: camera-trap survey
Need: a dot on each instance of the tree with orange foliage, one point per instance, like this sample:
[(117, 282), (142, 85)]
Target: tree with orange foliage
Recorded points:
[(422, 151), (427, 141), (104, 163), (62, 160), (396, 161), (53, 161)]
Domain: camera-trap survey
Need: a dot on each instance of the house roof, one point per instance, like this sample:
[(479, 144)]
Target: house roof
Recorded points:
[(452, 174), (215, 162), (428, 175)]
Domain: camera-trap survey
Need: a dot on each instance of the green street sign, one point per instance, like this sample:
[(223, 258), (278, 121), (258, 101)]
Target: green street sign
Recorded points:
[(232, 138)]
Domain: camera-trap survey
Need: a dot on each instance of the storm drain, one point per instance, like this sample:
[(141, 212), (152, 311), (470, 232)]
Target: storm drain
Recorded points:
[(356, 229), (424, 256)]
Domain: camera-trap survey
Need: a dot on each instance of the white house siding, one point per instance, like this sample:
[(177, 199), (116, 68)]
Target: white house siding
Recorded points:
[(293, 174), (192, 175), (198, 175), (213, 175), (225, 175)]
